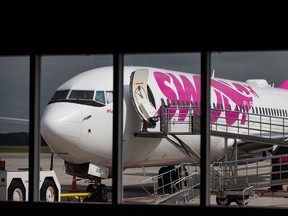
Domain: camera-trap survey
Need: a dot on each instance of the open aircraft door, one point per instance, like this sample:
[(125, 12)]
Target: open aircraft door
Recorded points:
[(140, 95)]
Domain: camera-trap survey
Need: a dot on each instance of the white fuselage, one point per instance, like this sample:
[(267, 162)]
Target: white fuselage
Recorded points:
[(82, 133)]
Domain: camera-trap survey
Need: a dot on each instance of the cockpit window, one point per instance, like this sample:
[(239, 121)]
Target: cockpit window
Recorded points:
[(60, 95), (81, 95), (85, 97), (100, 97), (109, 96)]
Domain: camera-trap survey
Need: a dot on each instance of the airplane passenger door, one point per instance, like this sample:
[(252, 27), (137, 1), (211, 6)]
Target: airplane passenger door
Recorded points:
[(140, 97)]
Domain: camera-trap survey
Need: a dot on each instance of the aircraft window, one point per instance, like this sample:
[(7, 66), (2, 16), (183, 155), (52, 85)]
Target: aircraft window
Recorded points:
[(256, 109), (286, 113), (60, 95), (253, 110), (168, 102), (109, 96), (269, 111), (100, 97), (81, 95), (173, 102)]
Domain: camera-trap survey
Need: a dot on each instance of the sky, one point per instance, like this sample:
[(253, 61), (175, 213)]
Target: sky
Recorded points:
[(55, 70)]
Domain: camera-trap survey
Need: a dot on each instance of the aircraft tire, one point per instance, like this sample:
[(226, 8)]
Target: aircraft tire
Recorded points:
[(99, 193), (102, 193), (48, 192), (16, 191)]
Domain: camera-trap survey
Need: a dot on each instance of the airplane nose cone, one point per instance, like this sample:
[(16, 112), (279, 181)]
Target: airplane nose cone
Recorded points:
[(61, 126)]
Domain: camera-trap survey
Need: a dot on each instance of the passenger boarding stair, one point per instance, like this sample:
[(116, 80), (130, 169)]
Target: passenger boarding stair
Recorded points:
[(232, 178), (176, 186), (236, 181)]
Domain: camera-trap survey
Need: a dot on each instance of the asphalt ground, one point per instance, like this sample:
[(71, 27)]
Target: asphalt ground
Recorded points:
[(133, 182)]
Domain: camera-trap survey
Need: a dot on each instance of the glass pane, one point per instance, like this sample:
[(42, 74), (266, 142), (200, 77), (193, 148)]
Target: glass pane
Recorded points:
[(78, 131), (162, 82), (100, 97), (81, 95), (14, 127), (60, 95), (256, 83)]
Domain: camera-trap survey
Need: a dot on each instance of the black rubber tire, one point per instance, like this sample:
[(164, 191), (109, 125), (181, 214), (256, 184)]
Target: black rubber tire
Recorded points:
[(99, 193), (223, 201), (16, 191), (102, 193), (49, 191)]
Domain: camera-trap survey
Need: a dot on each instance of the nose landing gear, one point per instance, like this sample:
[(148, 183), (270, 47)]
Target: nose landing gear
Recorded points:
[(98, 191)]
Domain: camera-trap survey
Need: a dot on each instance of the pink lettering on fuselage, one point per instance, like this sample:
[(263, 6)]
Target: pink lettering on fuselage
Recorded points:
[(187, 88)]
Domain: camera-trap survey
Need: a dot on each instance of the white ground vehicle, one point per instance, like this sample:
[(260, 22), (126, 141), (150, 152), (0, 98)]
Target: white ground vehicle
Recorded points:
[(14, 185)]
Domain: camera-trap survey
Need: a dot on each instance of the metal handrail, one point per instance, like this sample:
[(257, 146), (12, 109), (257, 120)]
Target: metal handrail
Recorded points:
[(234, 124)]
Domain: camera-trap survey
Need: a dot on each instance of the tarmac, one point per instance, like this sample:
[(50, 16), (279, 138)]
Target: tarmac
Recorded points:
[(133, 191)]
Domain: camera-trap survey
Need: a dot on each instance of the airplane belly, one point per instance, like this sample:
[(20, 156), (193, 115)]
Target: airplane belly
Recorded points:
[(136, 150), (168, 154)]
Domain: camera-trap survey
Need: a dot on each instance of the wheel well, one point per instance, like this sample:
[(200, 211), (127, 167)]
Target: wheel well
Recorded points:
[(18, 180), (51, 179), (47, 182), (11, 187)]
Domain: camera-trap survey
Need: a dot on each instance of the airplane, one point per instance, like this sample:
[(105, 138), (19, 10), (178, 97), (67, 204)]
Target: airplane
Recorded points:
[(77, 122)]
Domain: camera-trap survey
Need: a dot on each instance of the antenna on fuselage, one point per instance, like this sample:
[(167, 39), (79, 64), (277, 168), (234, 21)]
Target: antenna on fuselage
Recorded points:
[(213, 73)]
